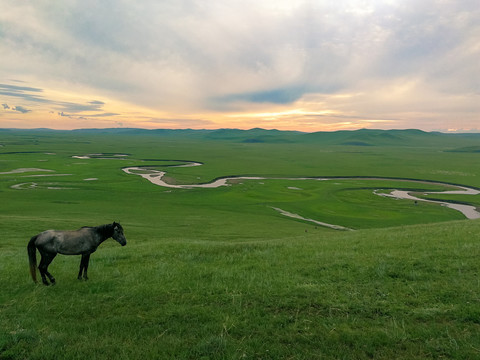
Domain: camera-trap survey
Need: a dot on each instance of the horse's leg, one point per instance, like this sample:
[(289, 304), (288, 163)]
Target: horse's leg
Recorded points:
[(41, 267), (85, 265), (80, 272), (50, 276), (47, 258)]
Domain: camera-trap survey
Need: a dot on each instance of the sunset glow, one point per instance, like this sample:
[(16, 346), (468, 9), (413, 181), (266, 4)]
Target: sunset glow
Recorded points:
[(308, 65)]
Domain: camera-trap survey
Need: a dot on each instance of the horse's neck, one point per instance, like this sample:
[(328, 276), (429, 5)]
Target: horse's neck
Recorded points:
[(104, 231)]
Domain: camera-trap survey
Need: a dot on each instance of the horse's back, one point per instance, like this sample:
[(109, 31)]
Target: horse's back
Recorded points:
[(65, 242)]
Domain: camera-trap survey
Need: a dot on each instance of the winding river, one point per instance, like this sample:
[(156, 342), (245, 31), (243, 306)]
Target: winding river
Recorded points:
[(469, 211), (157, 177)]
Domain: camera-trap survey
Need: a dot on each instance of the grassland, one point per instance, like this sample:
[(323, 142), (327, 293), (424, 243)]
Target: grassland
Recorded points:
[(217, 273)]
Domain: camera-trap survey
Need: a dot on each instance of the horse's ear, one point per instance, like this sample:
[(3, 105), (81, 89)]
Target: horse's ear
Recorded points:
[(115, 224)]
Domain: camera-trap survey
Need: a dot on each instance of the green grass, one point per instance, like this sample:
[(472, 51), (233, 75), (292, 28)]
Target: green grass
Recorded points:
[(218, 274), (392, 293)]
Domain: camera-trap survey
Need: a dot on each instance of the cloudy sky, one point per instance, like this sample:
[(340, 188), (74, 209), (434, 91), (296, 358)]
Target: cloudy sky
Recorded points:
[(312, 65)]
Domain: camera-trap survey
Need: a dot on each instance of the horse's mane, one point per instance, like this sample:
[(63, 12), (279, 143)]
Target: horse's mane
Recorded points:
[(104, 230)]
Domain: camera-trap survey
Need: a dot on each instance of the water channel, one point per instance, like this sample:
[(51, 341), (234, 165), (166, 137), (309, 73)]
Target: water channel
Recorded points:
[(469, 211)]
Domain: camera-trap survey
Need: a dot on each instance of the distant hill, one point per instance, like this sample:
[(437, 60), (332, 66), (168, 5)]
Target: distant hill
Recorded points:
[(469, 142), (135, 131), (255, 135), (368, 137)]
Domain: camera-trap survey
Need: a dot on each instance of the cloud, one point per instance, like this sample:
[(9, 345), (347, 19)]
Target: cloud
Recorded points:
[(78, 108), (89, 116), (185, 58), (275, 96), (29, 94), (21, 109), (18, 89), (24, 92), (106, 114)]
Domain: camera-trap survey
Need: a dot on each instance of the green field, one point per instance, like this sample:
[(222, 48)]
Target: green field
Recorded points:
[(218, 273)]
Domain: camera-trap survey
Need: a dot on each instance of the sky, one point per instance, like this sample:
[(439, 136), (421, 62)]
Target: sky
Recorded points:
[(306, 65)]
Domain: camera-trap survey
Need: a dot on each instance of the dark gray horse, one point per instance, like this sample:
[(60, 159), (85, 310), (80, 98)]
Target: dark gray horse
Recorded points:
[(79, 242)]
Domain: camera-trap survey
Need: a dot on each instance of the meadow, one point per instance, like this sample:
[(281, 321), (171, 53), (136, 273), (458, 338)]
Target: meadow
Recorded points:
[(218, 273)]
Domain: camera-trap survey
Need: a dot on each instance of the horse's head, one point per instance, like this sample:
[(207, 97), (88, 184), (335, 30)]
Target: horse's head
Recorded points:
[(118, 234)]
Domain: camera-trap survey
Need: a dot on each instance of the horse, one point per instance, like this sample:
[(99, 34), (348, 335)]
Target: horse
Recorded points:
[(83, 241)]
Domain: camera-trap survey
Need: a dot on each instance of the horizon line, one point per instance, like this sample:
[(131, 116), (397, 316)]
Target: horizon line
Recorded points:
[(254, 128)]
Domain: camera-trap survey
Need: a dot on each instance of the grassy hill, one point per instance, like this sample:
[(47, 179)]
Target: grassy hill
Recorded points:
[(404, 293), (362, 137), (369, 137), (219, 274)]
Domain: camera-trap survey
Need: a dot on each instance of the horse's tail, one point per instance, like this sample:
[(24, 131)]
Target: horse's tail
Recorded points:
[(32, 257)]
